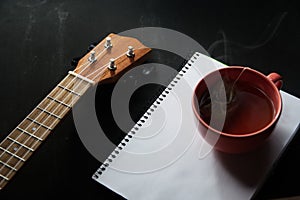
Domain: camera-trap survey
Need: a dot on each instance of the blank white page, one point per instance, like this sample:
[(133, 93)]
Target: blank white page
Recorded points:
[(167, 158)]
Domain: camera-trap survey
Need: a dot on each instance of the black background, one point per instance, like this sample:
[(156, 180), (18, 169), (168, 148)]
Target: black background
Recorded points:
[(39, 38)]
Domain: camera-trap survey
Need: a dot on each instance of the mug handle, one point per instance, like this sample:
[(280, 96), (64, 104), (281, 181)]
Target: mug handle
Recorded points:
[(276, 79)]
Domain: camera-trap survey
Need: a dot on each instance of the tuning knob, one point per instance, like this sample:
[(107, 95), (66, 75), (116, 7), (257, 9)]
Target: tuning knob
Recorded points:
[(112, 66), (92, 57), (108, 43), (130, 52)]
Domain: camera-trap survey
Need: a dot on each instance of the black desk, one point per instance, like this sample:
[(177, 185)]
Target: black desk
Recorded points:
[(39, 38)]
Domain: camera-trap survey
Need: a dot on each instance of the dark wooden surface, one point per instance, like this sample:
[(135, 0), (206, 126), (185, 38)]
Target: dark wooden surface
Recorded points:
[(39, 38)]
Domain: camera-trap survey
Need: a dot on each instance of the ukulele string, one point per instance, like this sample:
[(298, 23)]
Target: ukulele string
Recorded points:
[(88, 62), (96, 71), (36, 141), (30, 136), (39, 125)]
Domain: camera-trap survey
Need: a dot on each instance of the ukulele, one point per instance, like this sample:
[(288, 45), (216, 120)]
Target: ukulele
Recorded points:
[(104, 63)]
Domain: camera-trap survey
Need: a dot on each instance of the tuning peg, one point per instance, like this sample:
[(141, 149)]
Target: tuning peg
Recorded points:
[(130, 52), (92, 57), (108, 43), (112, 66)]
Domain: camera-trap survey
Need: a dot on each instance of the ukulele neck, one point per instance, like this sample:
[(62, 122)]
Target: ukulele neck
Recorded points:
[(20, 144), (104, 63)]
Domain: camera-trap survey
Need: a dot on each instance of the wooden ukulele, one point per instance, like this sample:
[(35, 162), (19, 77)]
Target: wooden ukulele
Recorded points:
[(104, 63)]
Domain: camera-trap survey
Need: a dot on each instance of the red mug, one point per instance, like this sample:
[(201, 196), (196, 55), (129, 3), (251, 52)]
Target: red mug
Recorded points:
[(238, 140)]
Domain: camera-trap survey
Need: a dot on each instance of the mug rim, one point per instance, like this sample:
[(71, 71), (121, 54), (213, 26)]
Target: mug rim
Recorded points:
[(270, 124)]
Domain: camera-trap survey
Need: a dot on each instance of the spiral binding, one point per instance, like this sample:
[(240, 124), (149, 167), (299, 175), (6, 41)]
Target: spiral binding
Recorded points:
[(146, 115)]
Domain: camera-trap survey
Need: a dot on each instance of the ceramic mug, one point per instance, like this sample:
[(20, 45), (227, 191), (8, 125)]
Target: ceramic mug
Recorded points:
[(239, 142)]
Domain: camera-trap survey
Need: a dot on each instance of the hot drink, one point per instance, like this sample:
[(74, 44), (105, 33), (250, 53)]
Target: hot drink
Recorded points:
[(245, 108), (237, 108)]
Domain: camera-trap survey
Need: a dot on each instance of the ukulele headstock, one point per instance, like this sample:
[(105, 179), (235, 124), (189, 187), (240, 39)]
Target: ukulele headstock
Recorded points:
[(110, 58)]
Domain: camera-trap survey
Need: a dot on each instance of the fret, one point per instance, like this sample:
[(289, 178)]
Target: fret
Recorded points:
[(4, 177), (35, 129), (6, 172), (49, 113), (69, 90), (24, 138), (15, 149), (23, 145), (7, 165), (13, 154), (43, 118), (78, 84), (32, 135), (62, 103), (38, 123), (10, 159), (54, 107), (64, 96)]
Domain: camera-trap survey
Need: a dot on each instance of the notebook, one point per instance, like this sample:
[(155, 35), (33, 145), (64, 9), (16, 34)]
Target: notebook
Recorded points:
[(165, 157)]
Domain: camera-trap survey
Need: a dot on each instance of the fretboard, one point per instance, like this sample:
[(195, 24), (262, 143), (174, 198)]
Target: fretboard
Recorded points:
[(20, 144)]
